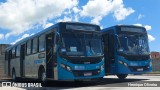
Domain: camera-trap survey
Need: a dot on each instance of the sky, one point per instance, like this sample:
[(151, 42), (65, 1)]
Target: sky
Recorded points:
[(22, 18)]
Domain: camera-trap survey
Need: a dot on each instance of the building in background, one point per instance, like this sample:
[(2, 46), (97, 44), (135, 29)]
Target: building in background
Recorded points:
[(155, 61), (155, 55), (2, 55)]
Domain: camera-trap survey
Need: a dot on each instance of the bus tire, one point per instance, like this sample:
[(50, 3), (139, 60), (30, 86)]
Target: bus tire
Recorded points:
[(42, 75), (14, 78), (122, 76)]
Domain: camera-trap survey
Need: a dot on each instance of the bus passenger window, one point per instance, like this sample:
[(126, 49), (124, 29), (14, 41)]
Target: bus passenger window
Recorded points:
[(42, 43), (29, 47), (17, 51), (34, 45), (13, 53)]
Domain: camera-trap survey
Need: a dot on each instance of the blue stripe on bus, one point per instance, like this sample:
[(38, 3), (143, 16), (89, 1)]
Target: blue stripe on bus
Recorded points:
[(38, 61)]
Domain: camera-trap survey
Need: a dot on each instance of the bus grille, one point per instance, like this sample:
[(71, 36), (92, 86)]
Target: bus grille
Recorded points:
[(139, 68), (137, 57), (80, 73), (84, 60)]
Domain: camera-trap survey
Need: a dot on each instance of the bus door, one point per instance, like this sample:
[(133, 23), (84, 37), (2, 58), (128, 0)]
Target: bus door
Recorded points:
[(22, 58), (109, 53), (106, 53), (9, 60), (50, 56)]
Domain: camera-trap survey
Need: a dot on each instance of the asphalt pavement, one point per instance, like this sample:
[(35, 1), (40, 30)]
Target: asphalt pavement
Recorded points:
[(138, 82)]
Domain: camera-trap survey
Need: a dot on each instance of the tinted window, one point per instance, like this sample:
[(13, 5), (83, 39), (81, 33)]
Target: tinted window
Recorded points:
[(41, 43), (34, 45), (17, 51), (29, 47)]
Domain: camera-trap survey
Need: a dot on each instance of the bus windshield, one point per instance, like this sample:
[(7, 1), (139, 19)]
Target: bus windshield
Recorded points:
[(136, 44), (82, 44)]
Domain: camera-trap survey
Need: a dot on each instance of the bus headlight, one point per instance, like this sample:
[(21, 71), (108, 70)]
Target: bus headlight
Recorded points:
[(103, 59), (150, 64), (62, 65), (65, 67), (68, 68), (102, 66), (125, 64), (121, 62)]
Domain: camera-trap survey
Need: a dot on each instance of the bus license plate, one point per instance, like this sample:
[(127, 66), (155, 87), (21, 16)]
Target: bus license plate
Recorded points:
[(88, 74), (140, 69)]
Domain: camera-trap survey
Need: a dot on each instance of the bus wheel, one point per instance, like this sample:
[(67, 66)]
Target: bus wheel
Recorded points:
[(122, 76), (14, 78), (42, 75)]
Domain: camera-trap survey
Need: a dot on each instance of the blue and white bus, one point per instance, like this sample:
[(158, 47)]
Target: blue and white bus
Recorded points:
[(64, 51), (126, 50)]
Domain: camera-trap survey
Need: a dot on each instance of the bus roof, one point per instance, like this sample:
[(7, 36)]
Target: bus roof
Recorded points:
[(43, 31), (122, 25)]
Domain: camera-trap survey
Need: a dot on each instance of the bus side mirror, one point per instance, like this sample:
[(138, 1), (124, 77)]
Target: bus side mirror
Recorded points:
[(112, 61), (56, 46), (62, 52), (57, 38)]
